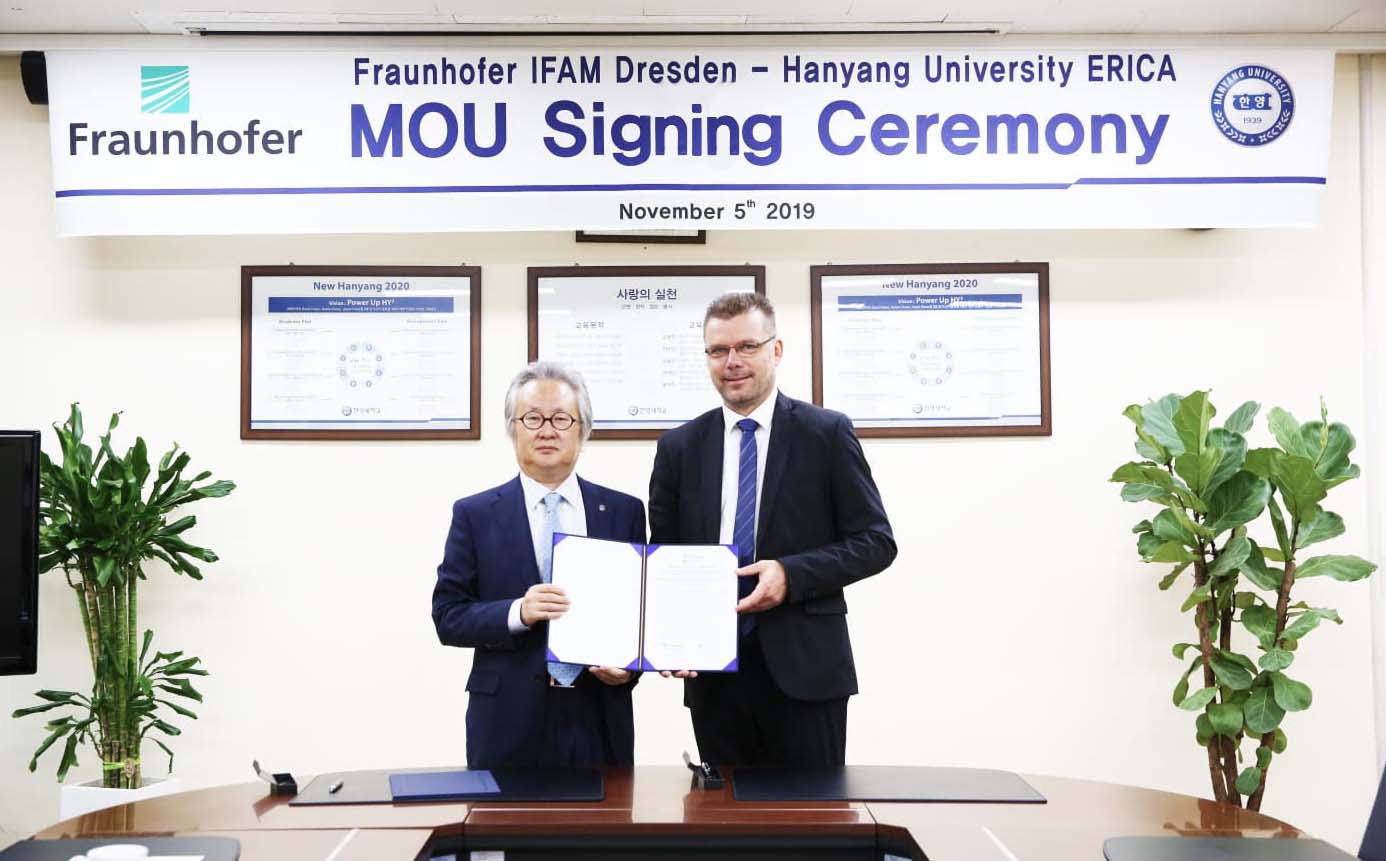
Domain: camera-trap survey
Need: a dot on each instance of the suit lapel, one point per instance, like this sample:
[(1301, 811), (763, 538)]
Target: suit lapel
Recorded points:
[(710, 502), (512, 525), (776, 464), (599, 514)]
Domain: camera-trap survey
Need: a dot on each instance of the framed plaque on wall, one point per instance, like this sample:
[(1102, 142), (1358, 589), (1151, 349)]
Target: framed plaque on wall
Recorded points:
[(635, 333), (360, 352), (956, 349)]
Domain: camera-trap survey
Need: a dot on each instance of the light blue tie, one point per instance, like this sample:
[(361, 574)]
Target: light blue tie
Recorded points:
[(744, 528), (562, 673)]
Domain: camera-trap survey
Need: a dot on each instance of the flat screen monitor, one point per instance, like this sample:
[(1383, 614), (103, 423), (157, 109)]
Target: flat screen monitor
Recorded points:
[(19, 514)]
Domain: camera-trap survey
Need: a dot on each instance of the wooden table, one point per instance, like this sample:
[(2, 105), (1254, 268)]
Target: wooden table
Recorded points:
[(649, 810)]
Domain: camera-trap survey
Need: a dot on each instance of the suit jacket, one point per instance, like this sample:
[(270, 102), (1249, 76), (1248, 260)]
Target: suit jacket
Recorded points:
[(488, 562), (820, 515)]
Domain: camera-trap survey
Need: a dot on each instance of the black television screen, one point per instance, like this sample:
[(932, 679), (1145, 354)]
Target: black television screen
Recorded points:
[(19, 469)]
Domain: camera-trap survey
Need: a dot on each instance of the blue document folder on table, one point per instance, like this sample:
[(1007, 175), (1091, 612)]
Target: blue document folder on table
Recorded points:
[(443, 785)]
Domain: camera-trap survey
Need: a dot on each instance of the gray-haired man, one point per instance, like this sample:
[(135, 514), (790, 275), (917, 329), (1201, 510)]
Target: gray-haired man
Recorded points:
[(493, 592)]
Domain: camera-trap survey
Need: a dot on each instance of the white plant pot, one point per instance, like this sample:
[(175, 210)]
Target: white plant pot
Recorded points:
[(80, 798)]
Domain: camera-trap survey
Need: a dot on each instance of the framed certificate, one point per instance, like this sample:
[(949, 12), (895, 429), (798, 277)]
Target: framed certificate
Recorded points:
[(360, 352), (635, 333), (958, 349)]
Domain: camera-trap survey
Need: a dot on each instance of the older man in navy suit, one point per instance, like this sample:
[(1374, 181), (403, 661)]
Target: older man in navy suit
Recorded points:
[(493, 592)]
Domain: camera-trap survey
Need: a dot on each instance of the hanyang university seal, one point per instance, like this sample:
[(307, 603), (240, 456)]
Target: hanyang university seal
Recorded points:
[(1252, 105)]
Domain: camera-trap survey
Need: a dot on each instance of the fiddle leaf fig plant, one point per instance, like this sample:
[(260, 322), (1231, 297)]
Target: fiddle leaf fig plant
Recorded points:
[(1214, 495), (99, 524)]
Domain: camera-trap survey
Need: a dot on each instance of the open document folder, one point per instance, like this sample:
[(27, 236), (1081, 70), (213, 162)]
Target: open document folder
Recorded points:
[(645, 606)]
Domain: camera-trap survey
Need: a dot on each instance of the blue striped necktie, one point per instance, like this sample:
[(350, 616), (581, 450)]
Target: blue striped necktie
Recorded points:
[(562, 673), (744, 530)]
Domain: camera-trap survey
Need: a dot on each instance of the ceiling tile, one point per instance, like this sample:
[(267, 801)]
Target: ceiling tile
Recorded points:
[(1245, 16), (783, 10), (476, 9), (1368, 19), (1017, 16)]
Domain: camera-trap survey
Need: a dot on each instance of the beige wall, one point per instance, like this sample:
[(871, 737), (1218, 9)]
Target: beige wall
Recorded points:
[(1016, 629)]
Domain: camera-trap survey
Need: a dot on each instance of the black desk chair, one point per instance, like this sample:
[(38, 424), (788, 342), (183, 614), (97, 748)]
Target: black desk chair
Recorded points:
[(1374, 840)]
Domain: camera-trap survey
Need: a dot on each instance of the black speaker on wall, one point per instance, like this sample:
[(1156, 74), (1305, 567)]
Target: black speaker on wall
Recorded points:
[(33, 71)]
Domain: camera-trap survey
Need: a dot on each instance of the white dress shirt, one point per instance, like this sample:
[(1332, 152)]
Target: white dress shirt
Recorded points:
[(731, 461), (572, 519)]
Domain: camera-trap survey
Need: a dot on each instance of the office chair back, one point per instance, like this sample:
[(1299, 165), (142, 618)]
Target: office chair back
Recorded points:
[(1374, 841)]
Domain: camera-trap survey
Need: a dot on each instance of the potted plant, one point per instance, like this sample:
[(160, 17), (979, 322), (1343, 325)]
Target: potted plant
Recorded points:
[(99, 525), (1212, 490)]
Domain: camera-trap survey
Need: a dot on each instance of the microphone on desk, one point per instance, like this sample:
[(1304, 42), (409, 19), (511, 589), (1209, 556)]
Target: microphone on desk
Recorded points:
[(704, 776), (280, 784)]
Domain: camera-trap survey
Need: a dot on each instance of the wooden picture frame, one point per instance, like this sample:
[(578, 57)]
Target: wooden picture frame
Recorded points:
[(933, 274), (393, 283), (645, 237), (609, 422)]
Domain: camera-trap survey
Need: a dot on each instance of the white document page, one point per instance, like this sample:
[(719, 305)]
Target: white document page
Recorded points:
[(690, 607), (602, 579)]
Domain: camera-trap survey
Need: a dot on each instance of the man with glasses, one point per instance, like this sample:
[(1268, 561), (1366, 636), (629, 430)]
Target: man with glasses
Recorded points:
[(494, 593), (788, 484)]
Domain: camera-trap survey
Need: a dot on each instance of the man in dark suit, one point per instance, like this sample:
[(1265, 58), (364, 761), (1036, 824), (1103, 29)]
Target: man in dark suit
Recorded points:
[(786, 482), (493, 592)]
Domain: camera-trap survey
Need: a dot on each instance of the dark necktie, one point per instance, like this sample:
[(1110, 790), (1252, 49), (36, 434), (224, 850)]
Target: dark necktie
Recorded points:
[(744, 528)]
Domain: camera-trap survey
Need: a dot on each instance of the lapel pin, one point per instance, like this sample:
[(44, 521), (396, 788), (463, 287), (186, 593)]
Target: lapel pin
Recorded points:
[(601, 507)]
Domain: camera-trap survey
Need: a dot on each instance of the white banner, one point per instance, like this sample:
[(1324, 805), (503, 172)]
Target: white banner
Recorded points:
[(463, 138)]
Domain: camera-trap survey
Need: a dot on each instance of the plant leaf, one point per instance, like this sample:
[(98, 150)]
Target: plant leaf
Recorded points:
[(1203, 729), (1226, 719), (1230, 673), (1239, 500), (1249, 780), (1344, 568), (1285, 427), (1196, 597), (1230, 559), (1168, 580), (1260, 621), (1323, 526), (1158, 420), (1300, 487), (1256, 570), (1199, 699), (1146, 445), (1191, 422), (1242, 417), (1290, 695), (1233, 449), (1300, 626), (1166, 526), (1171, 551), (1197, 469), (1328, 447), (1262, 712)]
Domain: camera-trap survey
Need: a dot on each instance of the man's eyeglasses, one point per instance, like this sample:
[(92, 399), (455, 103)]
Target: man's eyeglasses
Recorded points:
[(745, 349), (535, 420)]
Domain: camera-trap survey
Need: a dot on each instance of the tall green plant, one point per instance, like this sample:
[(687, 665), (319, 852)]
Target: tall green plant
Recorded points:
[(98, 525), (1213, 491)]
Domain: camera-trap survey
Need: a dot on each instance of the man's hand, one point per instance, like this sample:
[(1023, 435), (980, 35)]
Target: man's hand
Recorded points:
[(542, 602), (679, 674), (769, 592), (611, 675)]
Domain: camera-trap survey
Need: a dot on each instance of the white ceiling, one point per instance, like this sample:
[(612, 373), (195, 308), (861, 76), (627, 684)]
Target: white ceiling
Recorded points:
[(1005, 16)]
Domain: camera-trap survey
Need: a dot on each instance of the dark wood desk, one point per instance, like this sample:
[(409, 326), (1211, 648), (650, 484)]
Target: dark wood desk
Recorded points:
[(654, 809)]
